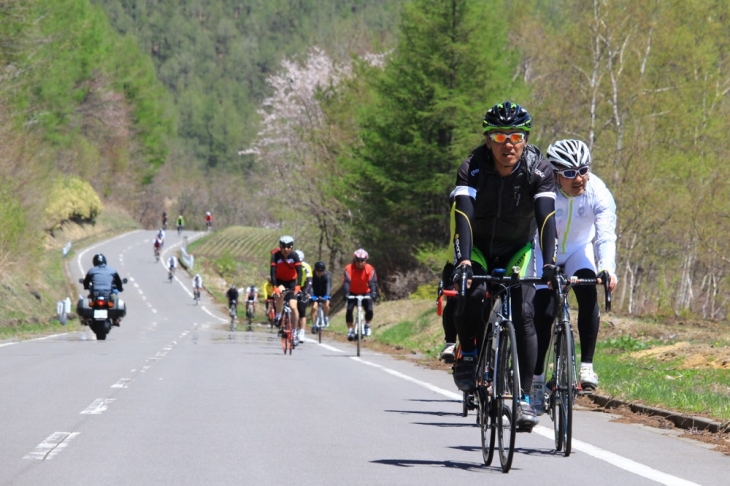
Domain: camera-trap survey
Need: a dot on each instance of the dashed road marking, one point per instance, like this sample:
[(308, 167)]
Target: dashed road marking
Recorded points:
[(53, 444), (98, 406)]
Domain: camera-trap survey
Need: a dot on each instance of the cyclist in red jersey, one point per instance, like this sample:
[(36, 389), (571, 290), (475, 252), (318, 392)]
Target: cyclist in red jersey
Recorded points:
[(286, 273), (359, 279)]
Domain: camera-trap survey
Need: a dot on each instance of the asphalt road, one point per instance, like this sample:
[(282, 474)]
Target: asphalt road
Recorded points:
[(173, 397)]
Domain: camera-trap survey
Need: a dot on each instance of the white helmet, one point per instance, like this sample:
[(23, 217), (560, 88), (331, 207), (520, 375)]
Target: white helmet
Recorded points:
[(569, 154), (301, 255)]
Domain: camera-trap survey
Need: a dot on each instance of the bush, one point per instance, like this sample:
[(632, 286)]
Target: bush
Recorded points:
[(71, 199)]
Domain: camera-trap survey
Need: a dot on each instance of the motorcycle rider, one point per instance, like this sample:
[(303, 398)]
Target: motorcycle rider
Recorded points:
[(101, 279)]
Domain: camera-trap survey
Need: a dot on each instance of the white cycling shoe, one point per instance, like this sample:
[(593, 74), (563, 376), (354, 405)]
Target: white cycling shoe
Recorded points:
[(588, 378)]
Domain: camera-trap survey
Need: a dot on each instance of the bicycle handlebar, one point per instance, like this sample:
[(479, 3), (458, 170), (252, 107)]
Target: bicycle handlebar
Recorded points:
[(513, 280), (603, 278), (359, 298)]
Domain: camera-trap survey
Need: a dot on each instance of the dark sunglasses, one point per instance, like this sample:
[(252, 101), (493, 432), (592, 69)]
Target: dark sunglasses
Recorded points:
[(359, 260), (286, 246), (500, 137), (573, 173)]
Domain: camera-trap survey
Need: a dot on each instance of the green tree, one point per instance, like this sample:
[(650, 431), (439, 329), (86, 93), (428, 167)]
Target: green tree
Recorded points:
[(453, 60)]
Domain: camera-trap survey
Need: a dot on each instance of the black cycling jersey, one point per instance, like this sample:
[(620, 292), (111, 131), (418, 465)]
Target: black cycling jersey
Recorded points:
[(322, 286), (498, 214)]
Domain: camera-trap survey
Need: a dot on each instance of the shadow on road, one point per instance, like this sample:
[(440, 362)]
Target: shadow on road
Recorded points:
[(464, 466)]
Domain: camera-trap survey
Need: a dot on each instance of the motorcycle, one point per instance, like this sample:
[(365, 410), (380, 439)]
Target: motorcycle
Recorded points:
[(100, 311)]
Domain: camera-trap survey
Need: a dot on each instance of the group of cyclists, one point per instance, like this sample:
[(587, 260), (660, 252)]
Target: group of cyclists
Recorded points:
[(296, 282), (513, 207), (180, 222)]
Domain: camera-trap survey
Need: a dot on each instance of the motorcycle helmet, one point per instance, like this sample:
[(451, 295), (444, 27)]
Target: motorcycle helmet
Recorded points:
[(99, 259), (506, 116)]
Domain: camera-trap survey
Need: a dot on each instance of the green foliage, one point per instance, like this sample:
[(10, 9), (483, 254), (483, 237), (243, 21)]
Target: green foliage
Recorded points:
[(71, 199), (71, 61), (623, 344), (451, 63), (13, 223), (225, 265), (214, 56)]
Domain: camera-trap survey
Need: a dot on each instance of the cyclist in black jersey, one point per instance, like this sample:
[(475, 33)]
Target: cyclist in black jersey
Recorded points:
[(503, 189), (322, 289)]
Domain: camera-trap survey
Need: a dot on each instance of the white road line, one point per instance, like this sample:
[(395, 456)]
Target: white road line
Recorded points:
[(596, 452), (35, 339), (620, 461), (331, 348), (80, 255), (51, 446), (98, 406), (446, 393), (122, 383)]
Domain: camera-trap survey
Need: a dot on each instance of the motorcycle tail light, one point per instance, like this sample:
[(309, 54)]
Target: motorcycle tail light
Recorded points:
[(100, 303)]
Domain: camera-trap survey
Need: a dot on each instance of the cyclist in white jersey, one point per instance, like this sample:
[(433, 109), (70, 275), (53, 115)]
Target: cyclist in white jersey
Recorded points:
[(585, 216)]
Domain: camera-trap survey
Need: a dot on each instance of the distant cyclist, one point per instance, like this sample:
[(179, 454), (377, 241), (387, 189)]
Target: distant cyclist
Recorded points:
[(180, 223), (161, 235), (586, 223), (157, 246), (359, 279), (232, 296), (322, 289), (286, 273), (164, 220), (267, 293), (197, 285), (172, 263), (252, 295), (303, 299), (208, 220)]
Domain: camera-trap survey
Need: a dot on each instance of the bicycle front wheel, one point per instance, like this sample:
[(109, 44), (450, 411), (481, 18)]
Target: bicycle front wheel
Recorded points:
[(358, 329), (320, 323), (285, 332), (507, 383), (564, 391)]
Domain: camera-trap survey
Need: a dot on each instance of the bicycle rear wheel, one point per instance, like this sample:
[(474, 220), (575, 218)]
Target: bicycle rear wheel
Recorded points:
[(564, 391), (507, 383)]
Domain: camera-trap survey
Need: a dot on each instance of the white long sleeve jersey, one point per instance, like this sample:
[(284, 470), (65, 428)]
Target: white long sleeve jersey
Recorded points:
[(590, 217)]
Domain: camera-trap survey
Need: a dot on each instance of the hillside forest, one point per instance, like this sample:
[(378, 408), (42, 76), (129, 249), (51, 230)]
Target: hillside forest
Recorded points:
[(345, 120)]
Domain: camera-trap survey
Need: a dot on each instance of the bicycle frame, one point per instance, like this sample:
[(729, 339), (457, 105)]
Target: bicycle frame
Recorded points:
[(359, 319), (288, 329), (562, 362), (498, 375), (318, 320)]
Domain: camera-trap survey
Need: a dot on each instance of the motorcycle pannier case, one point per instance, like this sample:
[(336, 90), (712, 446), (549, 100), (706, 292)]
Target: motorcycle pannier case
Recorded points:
[(83, 309)]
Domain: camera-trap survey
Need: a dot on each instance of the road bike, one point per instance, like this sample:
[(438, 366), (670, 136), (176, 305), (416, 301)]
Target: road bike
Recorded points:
[(359, 319), (157, 254), (287, 330), (233, 313), (170, 274), (498, 388), (250, 313), (319, 320), (179, 229), (196, 295), (564, 385)]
